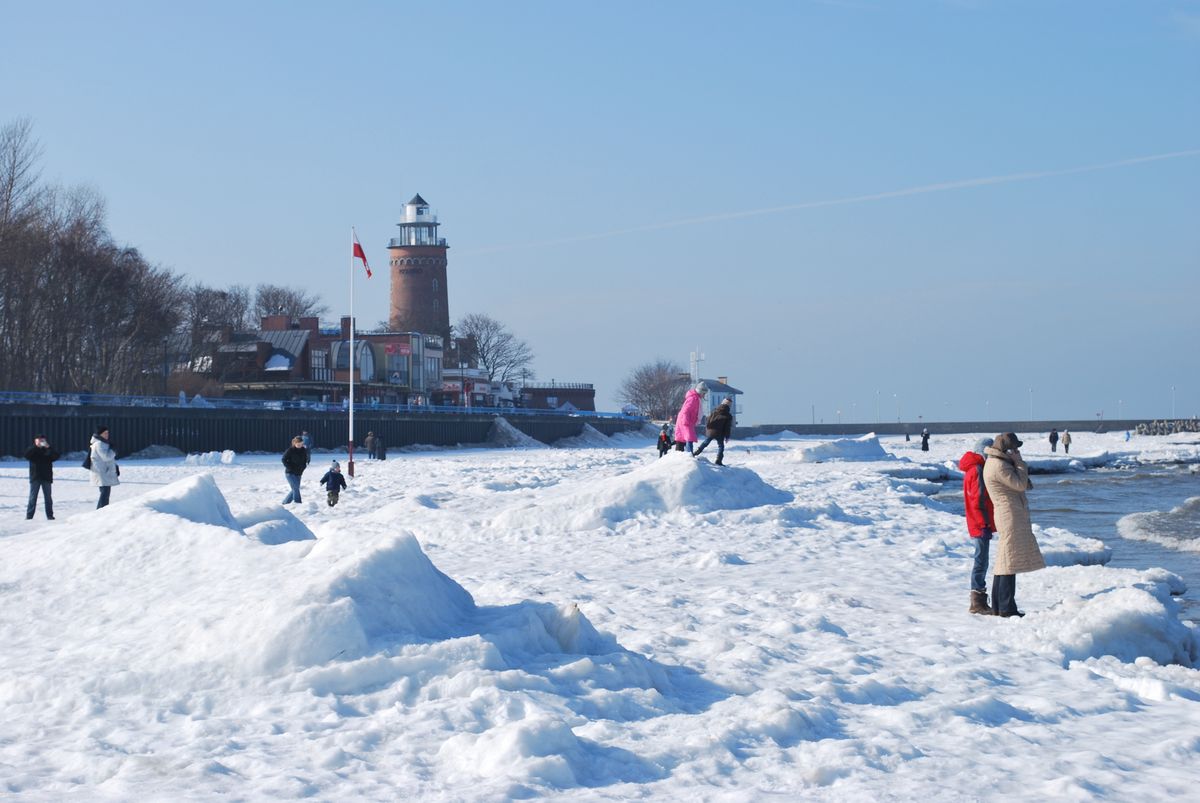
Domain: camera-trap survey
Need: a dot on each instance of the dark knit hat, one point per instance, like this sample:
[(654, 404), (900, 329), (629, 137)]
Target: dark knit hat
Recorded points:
[(1007, 441), (100, 430)]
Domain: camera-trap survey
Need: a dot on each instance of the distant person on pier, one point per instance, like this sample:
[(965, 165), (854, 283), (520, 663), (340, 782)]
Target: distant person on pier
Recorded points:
[(925, 439), (689, 415), (1006, 478), (981, 521), (307, 443), (295, 460), (1066, 439), (664, 440), (718, 428), (380, 448), (41, 457), (369, 445), (102, 462), (1054, 440)]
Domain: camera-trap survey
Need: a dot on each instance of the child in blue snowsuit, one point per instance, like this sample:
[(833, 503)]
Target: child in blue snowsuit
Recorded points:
[(334, 482)]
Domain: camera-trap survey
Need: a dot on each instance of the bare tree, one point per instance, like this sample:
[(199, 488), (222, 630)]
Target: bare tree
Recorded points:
[(19, 190), (500, 353), (656, 388), (77, 310), (210, 307), (273, 299)]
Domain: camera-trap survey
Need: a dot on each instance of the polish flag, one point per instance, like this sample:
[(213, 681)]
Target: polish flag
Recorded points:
[(358, 252)]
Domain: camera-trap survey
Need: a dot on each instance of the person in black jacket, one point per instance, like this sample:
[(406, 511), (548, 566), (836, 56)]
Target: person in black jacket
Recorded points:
[(295, 460), (41, 474), (334, 482), (718, 427), (664, 441)]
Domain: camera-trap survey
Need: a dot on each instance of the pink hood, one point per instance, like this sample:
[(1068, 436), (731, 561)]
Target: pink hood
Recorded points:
[(689, 414)]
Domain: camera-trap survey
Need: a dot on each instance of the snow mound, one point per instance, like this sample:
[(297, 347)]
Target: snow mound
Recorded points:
[(908, 470), (155, 452), (505, 434), (1066, 464), (713, 558), (274, 525), (1102, 612), (174, 584), (783, 435), (225, 458), (1064, 548), (850, 449), (588, 438), (676, 482), (196, 499)]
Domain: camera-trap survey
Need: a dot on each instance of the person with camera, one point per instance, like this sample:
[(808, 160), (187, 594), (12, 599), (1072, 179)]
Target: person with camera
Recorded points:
[(102, 461), (41, 474), (1006, 477)]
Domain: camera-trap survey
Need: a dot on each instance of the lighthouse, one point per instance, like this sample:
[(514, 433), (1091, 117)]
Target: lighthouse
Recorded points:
[(417, 258)]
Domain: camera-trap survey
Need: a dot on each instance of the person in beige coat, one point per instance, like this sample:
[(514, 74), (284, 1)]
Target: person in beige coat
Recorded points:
[(1007, 479)]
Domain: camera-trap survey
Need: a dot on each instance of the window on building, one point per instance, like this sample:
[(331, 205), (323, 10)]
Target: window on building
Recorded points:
[(435, 284)]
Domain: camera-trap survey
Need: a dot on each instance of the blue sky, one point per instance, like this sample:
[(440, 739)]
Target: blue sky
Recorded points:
[(237, 142)]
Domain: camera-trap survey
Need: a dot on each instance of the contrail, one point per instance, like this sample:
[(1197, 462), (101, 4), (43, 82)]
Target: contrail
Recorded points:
[(854, 199)]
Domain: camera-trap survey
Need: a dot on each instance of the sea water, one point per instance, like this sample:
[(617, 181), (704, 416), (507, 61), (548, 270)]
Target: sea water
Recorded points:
[(1148, 515)]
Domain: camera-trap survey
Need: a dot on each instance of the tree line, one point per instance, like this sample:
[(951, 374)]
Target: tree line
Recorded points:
[(80, 311)]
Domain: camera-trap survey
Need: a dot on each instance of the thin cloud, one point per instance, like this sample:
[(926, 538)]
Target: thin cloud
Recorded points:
[(924, 189)]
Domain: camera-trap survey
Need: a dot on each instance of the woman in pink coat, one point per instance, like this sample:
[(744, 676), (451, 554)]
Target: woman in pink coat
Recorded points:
[(689, 415)]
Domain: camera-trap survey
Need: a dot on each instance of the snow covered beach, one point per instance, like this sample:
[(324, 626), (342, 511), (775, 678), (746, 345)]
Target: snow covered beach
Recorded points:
[(580, 623)]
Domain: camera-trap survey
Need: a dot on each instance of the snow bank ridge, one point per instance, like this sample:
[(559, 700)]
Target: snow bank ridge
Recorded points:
[(503, 433), (675, 482), (851, 449), (257, 593)]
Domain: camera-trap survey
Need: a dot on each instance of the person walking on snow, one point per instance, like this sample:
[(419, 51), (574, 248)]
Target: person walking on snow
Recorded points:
[(925, 440), (1066, 440), (689, 415), (1054, 439), (981, 521), (664, 440), (718, 427), (334, 482), (295, 460), (1006, 478), (102, 461), (369, 445), (41, 474)]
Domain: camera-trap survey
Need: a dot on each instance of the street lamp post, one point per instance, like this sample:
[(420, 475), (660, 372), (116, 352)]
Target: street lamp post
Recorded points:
[(1172, 402), (896, 396), (1031, 404), (1120, 412)]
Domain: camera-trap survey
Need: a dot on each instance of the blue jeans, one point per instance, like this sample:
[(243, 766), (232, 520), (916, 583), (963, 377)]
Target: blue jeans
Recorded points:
[(105, 491), (979, 570), (31, 508), (294, 483), (720, 446)]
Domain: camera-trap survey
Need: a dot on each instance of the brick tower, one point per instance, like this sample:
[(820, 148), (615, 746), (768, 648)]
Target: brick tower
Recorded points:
[(417, 259)]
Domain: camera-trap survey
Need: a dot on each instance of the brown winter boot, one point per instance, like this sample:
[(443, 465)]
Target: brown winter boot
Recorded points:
[(979, 603)]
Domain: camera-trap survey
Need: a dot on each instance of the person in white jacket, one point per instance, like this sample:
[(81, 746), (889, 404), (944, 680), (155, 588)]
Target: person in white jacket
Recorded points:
[(105, 472)]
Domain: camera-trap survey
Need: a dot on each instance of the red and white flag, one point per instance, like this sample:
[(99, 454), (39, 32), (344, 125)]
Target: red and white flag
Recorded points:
[(359, 253)]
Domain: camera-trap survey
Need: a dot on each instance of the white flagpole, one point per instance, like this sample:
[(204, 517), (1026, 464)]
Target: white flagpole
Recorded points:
[(350, 465)]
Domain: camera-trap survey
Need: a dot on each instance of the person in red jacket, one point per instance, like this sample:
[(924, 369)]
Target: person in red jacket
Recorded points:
[(981, 521)]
